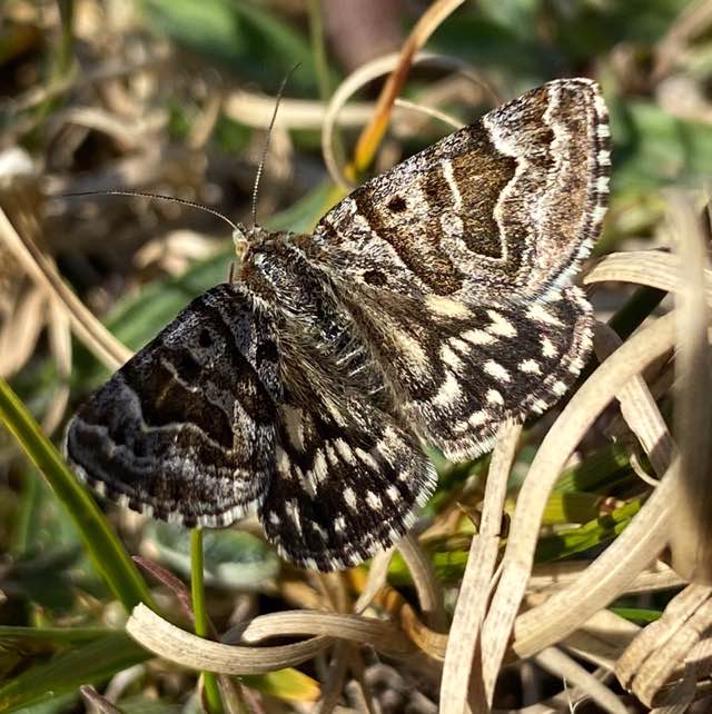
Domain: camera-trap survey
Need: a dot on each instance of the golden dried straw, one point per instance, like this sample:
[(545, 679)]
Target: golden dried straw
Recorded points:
[(372, 134), (362, 76)]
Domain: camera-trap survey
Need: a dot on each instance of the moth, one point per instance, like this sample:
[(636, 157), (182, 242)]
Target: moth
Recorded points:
[(427, 307)]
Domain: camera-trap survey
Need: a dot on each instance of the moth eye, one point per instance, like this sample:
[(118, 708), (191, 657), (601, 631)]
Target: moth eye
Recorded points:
[(374, 277), (397, 204), (204, 339)]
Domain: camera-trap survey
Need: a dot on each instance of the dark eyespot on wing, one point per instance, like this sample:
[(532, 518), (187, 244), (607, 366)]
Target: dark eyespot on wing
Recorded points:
[(204, 339)]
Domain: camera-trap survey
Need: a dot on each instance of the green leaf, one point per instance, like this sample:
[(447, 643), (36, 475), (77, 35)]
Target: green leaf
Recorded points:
[(641, 615), (289, 684), (571, 507), (238, 34), (654, 149), (597, 472), (589, 535)]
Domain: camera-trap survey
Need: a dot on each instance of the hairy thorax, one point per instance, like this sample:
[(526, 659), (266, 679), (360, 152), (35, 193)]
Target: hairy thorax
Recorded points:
[(315, 329)]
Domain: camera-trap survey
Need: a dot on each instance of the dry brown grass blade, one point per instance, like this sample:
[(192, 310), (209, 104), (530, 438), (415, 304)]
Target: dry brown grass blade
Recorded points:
[(333, 587), (383, 635), (549, 578), (60, 340), (573, 422), (691, 531), (476, 585), (694, 20), (432, 112), (663, 646), (377, 578), (372, 134), (602, 639), (606, 578), (255, 110), (40, 268), (678, 699), (20, 329), (644, 267), (333, 683), (561, 665), (430, 594), (422, 637), (130, 134), (175, 645), (638, 406)]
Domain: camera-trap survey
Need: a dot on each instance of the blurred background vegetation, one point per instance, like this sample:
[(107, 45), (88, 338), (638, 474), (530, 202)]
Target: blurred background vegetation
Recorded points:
[(173, 97)]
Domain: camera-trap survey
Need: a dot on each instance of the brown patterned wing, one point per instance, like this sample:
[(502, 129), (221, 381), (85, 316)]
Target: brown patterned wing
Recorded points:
[(504, 208), (456, 264)]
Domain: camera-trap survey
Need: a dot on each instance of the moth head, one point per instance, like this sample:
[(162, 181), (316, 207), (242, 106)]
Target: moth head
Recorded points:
[(241, 240)]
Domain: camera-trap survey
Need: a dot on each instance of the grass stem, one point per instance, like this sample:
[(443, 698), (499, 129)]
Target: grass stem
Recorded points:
[(202, 623)]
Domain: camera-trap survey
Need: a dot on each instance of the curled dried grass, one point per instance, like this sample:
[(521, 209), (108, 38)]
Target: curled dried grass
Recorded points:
[(373, 133), (175, 645), (381, 634), (565, 610), (668, 645)]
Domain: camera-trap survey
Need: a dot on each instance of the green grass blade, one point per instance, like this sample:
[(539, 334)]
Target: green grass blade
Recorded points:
[(200, 613), (103, 547), (90, 663), (29, 638)]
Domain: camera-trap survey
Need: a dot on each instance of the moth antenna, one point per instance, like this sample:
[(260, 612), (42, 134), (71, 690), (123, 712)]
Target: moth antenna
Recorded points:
[(265, 148), (158, 197)]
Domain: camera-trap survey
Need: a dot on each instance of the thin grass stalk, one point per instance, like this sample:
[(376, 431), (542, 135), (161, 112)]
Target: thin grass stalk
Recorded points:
[(200, 615), (371, 136), (318, 46), (104, 549), (65, 54)]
